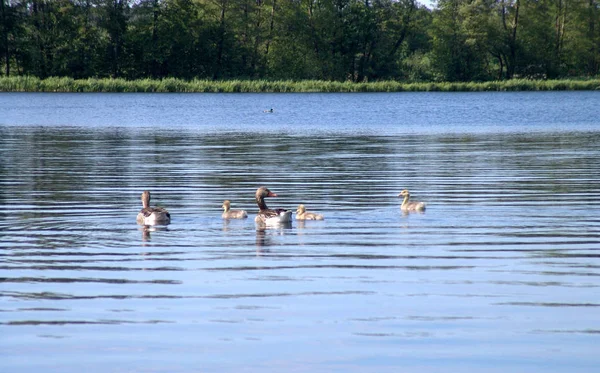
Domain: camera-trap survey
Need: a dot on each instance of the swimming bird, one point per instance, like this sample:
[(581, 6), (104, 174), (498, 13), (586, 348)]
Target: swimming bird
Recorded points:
[(267, 216), (268, 111), (232, 214), (152, 215), (410, 206), (302, 214)]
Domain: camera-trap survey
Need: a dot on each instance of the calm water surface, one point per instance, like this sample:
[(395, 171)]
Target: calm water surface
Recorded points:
[(500, 274)]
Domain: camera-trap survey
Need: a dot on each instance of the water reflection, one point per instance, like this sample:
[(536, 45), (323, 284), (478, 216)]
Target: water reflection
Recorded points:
[(148, 229), (261, 239), (265, 234), (508, 247)]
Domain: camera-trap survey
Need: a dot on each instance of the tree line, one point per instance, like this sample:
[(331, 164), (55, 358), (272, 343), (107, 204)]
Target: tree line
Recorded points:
[(332, 40)]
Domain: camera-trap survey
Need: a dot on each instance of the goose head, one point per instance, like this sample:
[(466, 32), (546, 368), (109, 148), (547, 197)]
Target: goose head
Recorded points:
[(404, 193), (145, 199), (226, 205), (263, 192)]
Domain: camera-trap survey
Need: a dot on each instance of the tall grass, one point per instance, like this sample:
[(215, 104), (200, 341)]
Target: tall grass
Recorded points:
[(62, 84)]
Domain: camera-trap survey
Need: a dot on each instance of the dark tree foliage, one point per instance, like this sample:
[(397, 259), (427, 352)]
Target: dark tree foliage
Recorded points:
[(338, 40)]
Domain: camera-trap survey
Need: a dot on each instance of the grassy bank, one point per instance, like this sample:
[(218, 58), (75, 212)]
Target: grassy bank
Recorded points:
[(32, 84)]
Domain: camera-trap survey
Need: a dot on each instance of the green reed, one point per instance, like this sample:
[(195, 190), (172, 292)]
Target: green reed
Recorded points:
[(64, 84)]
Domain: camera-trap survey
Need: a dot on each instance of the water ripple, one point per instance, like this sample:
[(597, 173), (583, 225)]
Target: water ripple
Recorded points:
[(502, 269)]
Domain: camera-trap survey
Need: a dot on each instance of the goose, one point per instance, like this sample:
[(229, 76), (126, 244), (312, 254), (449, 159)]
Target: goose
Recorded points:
[(232, 214), (410, 206), (152, 215), (267, 216), (302, 214)]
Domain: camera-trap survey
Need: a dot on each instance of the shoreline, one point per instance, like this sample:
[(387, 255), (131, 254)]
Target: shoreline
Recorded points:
[(172, 85)]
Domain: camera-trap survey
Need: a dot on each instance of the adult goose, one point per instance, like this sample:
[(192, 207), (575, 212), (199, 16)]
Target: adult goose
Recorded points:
[(152, 215), (410, 206), (302, 214), (267, 216), (228, 213)]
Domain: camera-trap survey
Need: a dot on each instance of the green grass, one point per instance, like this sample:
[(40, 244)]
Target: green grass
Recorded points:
[(58, 84)]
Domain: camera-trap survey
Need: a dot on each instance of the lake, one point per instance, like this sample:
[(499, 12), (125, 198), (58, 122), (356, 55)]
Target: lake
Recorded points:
[(501, 273)]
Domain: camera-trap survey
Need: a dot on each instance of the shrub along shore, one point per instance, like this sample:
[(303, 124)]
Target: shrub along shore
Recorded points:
[(55, 84)]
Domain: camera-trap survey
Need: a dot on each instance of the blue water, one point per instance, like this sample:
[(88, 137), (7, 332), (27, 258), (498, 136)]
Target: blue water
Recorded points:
[(500, 273), (302, 113)]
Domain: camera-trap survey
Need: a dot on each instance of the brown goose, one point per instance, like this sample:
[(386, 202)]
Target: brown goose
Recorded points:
[(302, 214), (232, 214), (267, 216), (409, 206), (152, 215)]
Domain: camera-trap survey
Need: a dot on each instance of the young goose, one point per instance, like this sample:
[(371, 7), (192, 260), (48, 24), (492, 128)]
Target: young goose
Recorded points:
[(302, 214), (152, 215), (410, 206), (267, 216), (232, 214)]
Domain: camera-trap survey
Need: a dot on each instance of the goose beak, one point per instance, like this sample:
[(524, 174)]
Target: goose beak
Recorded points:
[(271, 194)]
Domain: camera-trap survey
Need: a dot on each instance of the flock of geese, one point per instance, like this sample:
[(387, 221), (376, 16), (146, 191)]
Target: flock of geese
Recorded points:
[(265, 216)]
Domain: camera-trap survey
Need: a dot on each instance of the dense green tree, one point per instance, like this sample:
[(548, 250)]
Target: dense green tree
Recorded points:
[(141, 40), (7, 25), (591, 40), (542, 40), (294, 51), (342, 40), (404, 44), (579, 47), (455, 54), (176, 38), (114, 17)]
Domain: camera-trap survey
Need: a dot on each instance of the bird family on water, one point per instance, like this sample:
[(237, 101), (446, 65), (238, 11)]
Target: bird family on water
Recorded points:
[(265, 216)]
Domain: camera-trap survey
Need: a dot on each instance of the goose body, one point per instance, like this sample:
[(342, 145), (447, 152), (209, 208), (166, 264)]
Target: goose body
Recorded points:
[(152, 215), (410, 206), (302, 214), (267, 216), (232, 214)]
